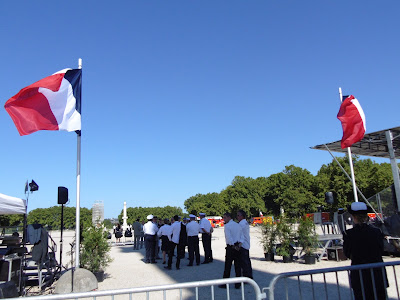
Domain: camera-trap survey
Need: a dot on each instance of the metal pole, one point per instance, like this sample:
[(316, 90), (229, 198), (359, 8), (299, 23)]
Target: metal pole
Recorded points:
[(78, 188), (353, 180), (395, 171)]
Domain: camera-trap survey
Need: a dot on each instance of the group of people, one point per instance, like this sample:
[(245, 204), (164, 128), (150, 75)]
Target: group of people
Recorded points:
[(176, 235)]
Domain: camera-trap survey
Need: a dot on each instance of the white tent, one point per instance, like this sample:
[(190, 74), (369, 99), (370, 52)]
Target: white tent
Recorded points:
[(11, 205)]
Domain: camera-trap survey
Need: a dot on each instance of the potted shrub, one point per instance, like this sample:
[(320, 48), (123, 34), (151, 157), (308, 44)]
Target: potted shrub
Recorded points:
[(285, 236), (268, 238), (307, 239), (95, 250)]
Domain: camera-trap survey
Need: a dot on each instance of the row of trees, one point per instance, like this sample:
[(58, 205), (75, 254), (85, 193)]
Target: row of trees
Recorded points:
[(295, 190), (50, 217)]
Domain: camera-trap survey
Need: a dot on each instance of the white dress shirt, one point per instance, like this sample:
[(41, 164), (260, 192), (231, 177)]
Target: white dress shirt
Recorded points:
[(233, 233), (175, 232), (206, 225), (165, 230), (150, 228), (192, 228), (245, 234)]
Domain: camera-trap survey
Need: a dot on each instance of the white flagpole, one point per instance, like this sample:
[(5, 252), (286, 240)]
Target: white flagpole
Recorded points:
[(353, 180), (78, 190)]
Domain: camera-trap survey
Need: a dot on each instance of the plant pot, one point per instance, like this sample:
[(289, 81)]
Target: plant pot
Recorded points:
[(269, 256), (309, 259), (99, 276), (287, 259)]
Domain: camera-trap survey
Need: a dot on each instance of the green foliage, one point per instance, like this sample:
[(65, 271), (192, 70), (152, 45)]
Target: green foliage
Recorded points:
[(11, 220), (268, 236), (285, 235), (95, 249), (52, 217), (306, 235), (210, 204), (245, 193), (141, 213)]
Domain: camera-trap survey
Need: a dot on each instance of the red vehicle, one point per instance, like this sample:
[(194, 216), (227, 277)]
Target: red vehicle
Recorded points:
[(216, 221), (260, 220)]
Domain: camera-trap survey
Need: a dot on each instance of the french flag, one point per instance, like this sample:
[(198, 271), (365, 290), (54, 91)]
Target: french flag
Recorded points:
[(353, 121), (52, 103)]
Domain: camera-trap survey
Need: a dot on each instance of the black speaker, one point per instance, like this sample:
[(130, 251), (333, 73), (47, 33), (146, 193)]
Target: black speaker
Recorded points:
[(62, 195), (329, 197)]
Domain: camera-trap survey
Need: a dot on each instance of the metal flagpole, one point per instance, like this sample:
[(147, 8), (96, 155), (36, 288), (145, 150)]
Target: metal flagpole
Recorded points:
[(353, 180), (78, 189)]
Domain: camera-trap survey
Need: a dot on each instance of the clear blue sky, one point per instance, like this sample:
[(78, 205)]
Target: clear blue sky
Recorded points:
[(179, 97)]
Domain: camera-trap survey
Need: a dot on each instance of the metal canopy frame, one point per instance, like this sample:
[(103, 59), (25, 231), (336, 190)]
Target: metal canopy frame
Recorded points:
[(383, 143)]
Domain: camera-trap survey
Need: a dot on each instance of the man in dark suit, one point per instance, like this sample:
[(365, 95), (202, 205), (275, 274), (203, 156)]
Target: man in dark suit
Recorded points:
[(363, 244)]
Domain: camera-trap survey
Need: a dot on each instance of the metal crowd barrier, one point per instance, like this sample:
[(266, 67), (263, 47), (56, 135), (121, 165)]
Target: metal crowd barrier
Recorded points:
[(327, 284), (151, 290)]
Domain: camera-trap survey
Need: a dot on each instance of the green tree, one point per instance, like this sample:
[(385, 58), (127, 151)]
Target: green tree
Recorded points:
[(245, 193)]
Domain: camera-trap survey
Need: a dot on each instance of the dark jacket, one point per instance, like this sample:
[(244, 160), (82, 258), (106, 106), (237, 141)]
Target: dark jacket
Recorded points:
[(363, 244)]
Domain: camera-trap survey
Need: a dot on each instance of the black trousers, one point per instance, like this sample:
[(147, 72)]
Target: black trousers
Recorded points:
[(172, 246), (232, 255), (206, 238), (149, 243), (245, 263), (193, 248)]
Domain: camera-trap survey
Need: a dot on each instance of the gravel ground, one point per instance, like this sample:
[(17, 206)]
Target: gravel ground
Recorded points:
[(128, 270)]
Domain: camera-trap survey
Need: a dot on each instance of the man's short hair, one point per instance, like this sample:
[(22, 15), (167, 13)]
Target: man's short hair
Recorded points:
[(242, 213), (229, 215), (176, 218)]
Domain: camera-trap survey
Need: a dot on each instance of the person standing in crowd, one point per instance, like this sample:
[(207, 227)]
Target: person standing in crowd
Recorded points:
[(118, 233), (137, 231), (233, 236), (206, 231), (182, 241), (193, 229), (157, 244), (150, 230), (173, 242), (163, 233), (142, 236), (363, 244), (245, 262)]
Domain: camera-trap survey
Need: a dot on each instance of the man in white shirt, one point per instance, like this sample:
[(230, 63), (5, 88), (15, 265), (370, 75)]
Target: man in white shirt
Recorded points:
[(150, 230), (233, 236), (173, 242), (206, 231), (247, 270), (192, 230)]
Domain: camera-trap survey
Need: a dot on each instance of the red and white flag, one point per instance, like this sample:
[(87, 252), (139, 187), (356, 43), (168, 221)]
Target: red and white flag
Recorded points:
[(353, 121), (52, 103)]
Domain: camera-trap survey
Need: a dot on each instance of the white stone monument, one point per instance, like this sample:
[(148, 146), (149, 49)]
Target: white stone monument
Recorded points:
[(124, 218)]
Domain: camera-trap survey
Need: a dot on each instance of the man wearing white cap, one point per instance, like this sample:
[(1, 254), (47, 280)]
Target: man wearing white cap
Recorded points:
[(150, 230), (192, 229), (206, 230), (363, 244)]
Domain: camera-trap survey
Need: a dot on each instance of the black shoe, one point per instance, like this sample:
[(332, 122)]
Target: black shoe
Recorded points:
[(190, 265), (178, 268), (166, 267), (205, 262), (237, 286), (146, 262), (222, 286), (211, 260), (198, 263), (164, 262), (154, 262)]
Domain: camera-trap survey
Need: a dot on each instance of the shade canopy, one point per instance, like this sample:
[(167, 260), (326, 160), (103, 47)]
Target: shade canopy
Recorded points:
[(11, 205), (373, 144)]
